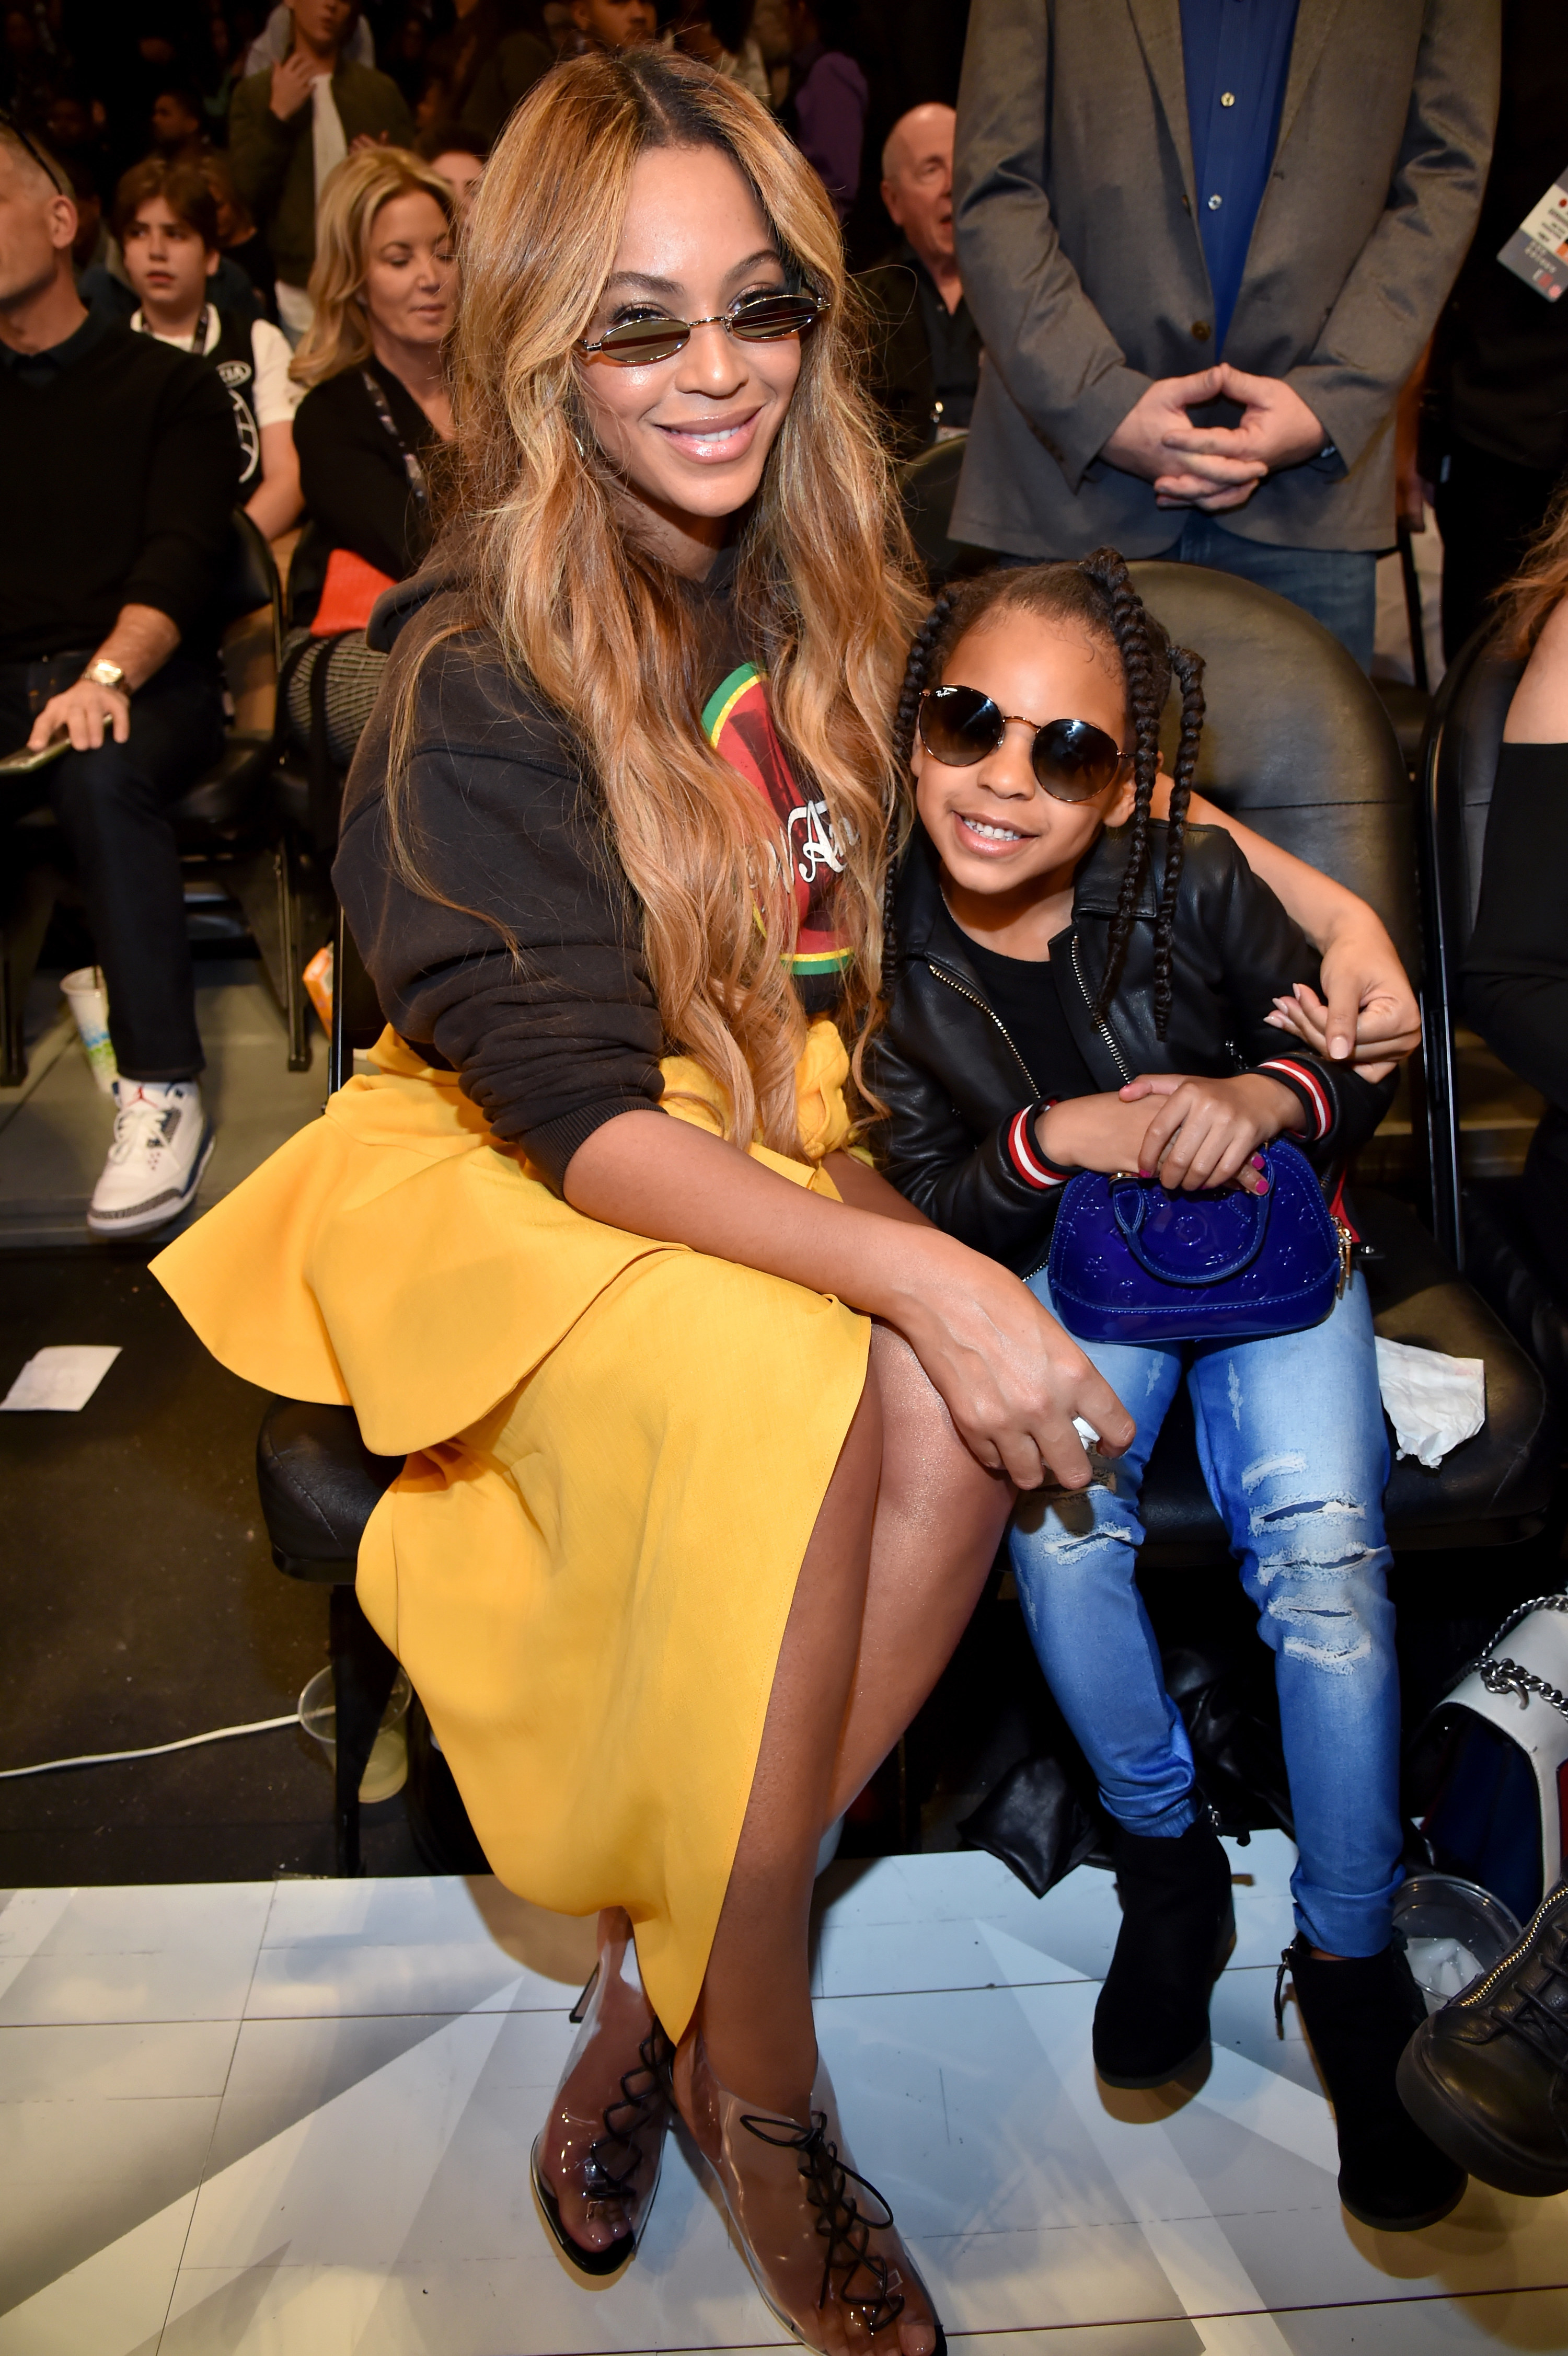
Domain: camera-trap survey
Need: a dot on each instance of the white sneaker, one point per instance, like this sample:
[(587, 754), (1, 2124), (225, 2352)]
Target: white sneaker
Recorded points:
[(162, 1144)]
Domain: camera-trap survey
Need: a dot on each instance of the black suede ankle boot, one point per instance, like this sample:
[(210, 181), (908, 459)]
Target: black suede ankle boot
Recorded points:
[(1360, 2014), (1177, 1927)]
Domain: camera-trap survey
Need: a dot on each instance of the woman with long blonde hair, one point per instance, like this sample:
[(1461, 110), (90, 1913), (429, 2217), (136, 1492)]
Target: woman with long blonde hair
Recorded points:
[(710, 1438), (384, 287)]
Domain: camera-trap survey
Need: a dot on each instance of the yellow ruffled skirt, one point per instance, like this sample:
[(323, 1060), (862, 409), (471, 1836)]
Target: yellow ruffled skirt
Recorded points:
[(616, 1453)]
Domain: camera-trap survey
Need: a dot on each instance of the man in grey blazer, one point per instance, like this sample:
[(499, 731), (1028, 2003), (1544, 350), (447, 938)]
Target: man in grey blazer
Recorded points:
[(1206, 241)]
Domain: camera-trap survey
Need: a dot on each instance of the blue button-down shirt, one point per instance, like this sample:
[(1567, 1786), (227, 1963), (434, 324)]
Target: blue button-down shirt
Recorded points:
[(1237, 55)]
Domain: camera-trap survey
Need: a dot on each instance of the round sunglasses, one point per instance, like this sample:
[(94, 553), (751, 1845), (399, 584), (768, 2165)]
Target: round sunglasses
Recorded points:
[(752, 319), (1071, 760)]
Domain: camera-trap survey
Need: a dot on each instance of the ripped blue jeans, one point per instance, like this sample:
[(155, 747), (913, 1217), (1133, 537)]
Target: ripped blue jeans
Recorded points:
[(1291, 1440)]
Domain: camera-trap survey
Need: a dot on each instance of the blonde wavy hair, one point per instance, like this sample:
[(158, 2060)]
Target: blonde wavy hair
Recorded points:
[(537, 531), (338, 338)]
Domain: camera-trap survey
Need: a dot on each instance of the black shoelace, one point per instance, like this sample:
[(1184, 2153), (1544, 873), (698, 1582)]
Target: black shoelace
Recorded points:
[(845, 2231), (1544, 2028), (645, 2092)]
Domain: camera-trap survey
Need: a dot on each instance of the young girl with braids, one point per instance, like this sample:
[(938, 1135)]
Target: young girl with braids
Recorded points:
[(1076, 984)]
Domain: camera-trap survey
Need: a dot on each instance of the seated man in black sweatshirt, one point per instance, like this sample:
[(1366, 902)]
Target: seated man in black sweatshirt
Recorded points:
[(118, 472)]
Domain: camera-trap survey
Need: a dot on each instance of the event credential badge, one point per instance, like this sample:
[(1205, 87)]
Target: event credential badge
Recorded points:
[(1537, 249)]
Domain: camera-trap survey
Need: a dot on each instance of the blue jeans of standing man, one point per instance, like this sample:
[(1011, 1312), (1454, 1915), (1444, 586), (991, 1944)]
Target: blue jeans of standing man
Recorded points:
[(1339, 586), (1291, 1440)]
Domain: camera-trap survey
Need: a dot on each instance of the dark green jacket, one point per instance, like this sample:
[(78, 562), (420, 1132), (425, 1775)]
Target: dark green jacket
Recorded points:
[(274, 164), (502, 81)]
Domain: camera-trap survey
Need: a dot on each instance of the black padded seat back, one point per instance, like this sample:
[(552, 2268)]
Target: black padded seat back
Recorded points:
[(358, 1021), (1297, 742), (928, 484), (1458, 776), (1461, 766), (248, 578)]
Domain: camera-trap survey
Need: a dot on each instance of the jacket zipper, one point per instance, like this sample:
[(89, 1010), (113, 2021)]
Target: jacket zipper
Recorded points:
[(974, 1000), (1100, 1024), (1516, 1955)]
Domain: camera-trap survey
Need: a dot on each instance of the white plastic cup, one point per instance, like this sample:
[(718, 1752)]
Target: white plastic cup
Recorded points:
[(387, 1768), (89, 1002)]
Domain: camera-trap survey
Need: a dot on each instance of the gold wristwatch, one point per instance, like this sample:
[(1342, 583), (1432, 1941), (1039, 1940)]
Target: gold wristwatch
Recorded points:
[(106, 674)]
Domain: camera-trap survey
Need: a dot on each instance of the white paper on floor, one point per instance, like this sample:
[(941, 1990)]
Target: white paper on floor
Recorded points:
[(1432, 1401), (63, 1376)]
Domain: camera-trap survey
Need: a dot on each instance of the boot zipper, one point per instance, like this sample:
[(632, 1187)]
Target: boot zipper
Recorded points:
[(974, 1000), (1103, 1027)]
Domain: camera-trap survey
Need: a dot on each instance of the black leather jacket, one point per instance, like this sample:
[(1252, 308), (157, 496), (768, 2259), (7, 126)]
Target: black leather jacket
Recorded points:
[(955, 1085)]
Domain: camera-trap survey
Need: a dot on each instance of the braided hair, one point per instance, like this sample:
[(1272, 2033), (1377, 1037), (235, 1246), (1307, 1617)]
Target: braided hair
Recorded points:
[(1098, 595)]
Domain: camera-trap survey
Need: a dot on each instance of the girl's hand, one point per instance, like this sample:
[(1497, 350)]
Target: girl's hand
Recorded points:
[(1009, 1376), (1206, 1130), (1101, 1134), (1387, 1026)]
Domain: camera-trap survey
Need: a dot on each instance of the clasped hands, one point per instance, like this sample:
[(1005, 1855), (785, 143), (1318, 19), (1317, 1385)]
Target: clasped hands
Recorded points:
[(1213, 467), (1202, 1132)]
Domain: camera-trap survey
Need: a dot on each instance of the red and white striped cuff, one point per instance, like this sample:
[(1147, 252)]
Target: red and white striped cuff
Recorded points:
[(1025, 1155), (1310, 1088)]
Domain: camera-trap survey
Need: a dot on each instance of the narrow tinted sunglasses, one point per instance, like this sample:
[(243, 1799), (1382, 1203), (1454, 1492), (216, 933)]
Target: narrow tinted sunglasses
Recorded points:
[(1071, 760), (754, 319)]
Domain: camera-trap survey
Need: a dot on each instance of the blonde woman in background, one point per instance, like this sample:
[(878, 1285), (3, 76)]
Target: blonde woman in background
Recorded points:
[(384, 291), (710, 1438)]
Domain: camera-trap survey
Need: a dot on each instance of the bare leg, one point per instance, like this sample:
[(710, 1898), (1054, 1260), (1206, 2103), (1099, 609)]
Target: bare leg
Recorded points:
[(901, 1546), (940, 1517), (756, 1997)]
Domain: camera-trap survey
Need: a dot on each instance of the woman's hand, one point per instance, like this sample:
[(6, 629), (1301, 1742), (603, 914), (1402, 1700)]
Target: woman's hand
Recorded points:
[(1387, 1024), (1205, 1132), (1371, 1014), (1009, 1376)]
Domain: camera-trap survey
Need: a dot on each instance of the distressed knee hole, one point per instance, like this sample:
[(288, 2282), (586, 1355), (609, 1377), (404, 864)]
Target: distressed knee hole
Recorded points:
[(1305, 1509), (1325, 1630), (1267, 1468), (1061, 1528)]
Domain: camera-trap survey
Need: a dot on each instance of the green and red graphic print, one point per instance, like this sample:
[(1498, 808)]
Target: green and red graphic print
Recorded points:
[(739, 723)]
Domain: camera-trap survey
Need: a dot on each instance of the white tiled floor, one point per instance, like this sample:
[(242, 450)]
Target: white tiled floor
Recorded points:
[(247, 2120)]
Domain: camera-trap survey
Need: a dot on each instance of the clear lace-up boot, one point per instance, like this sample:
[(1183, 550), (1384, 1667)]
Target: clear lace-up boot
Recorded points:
[(819, 2240), (595, 2163)]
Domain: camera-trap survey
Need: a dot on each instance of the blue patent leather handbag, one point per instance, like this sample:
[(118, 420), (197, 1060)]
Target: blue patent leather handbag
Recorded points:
[(1130, 1262)]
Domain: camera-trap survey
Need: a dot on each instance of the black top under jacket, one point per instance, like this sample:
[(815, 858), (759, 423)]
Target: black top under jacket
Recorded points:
[(959, 1139), (118, 474), (1516, 970), (1025, 995)]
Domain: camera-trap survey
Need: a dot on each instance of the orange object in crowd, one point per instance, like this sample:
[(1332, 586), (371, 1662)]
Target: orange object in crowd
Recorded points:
[(348, 593), (317, 979)]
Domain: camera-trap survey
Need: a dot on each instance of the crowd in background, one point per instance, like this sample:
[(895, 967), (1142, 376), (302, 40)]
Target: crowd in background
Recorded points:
[(107, 82)]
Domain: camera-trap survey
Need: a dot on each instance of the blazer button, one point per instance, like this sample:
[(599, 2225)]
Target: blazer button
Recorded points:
[(1201, 331)]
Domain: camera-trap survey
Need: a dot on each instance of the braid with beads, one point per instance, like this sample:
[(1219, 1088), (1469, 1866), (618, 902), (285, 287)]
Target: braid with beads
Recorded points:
[(1096, 593)]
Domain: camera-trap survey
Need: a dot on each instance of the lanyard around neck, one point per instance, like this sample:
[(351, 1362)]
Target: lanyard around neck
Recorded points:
[(411, 466), (198, 341)]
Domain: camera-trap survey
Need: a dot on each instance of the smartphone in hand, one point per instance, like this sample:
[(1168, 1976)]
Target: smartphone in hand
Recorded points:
[(25, 760)]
